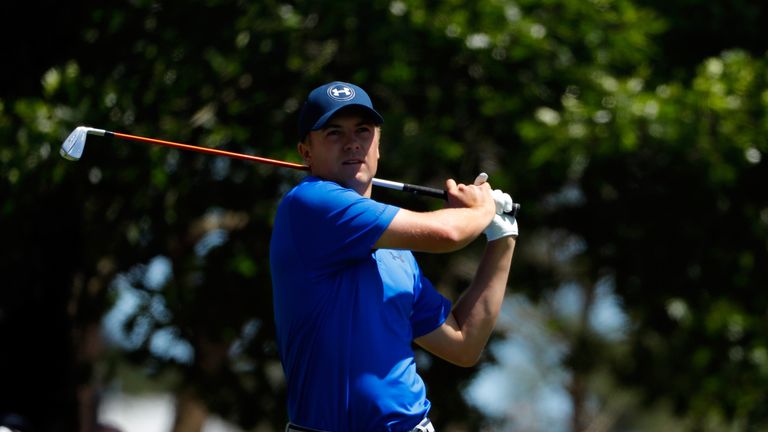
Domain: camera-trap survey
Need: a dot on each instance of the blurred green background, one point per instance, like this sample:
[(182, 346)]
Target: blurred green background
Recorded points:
[(632, 132)]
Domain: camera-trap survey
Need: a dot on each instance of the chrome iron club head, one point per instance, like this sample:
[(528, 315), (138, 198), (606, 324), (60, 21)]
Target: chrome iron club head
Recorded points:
[(73, 146)]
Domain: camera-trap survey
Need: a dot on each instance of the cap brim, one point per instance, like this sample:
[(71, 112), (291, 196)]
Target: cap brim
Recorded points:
[(321, 122)]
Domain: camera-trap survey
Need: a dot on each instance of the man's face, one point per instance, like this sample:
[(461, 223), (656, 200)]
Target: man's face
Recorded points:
[(345, 151)]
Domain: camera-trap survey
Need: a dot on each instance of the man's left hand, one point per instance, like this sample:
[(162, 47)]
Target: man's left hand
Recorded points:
[(502, 225)]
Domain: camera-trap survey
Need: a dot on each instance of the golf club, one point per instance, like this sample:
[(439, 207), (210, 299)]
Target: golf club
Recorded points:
[(73, 146)]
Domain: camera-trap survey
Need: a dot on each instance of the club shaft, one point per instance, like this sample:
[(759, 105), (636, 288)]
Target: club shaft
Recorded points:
[(207, 150), (413, 189)]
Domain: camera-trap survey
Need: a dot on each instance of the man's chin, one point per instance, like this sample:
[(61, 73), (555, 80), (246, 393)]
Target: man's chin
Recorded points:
[(363, 177), (360, 182)]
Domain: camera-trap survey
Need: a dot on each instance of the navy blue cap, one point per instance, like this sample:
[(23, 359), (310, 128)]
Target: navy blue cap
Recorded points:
[(324, 101)]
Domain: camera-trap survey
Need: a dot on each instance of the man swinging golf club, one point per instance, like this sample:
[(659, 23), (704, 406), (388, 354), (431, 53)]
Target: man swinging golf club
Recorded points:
[(349, 297)]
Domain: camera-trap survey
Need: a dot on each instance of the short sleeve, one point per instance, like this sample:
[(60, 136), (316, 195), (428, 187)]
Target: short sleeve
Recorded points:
[(333, 225), (430, 308)]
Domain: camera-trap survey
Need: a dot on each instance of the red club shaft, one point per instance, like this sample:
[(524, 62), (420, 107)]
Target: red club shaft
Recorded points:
[(210, 151)]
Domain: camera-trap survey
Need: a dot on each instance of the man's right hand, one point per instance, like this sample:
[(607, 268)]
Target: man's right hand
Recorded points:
[(504, 203), (470, 196)]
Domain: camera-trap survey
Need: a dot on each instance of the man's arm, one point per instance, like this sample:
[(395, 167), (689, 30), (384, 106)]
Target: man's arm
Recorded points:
[(463, 336), (470, 209)]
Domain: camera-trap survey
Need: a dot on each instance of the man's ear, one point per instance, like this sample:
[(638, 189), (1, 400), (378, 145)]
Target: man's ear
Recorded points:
[(305, 152)]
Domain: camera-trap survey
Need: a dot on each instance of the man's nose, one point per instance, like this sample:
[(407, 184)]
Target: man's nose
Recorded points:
[(351, 143)]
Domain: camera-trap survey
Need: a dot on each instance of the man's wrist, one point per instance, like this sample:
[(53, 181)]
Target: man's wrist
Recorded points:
[(511, 239)]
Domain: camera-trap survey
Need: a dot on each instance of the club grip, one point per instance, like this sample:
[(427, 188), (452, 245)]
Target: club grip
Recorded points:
[(439, 193), (427, 191), (515, 209)]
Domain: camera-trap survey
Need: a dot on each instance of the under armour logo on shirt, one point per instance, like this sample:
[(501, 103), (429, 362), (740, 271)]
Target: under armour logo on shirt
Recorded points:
[(396, 256), (341, 92)]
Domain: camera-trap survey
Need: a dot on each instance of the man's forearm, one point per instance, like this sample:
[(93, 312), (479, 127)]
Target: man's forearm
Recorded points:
[(464, 334), (444, 230), (478, 307), (463, 225)]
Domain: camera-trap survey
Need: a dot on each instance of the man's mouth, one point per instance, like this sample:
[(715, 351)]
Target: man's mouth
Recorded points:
[(352, 162)]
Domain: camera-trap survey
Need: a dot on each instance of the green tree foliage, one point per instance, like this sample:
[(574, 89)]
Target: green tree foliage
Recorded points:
[(577, 108), (671, 208)]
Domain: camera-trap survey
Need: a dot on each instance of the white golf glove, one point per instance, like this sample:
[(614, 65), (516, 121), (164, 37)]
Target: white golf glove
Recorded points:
[(502, 225), (503, 201)]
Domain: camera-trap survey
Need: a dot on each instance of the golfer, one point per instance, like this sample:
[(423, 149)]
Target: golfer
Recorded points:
[(349, 297)]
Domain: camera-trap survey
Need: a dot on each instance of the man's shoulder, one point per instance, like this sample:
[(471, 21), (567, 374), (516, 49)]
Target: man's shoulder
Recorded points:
[(315, 199), (311, 186), (318, 192)]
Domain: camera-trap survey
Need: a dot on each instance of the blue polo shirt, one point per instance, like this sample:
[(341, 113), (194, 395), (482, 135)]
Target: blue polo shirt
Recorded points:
[(346, 315)]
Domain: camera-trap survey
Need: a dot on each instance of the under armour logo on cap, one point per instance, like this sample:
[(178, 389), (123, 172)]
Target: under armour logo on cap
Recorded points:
[(324, 101), (341, 92)]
